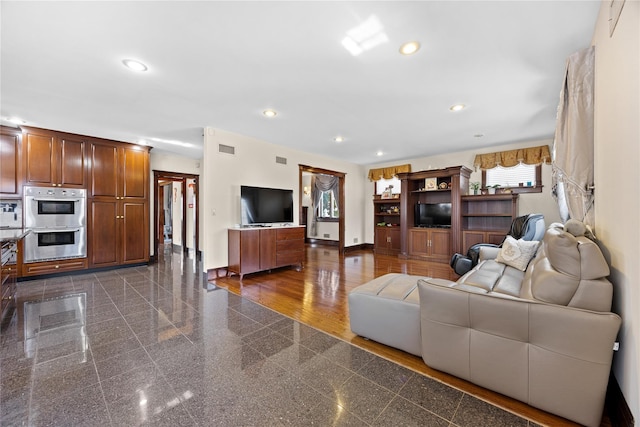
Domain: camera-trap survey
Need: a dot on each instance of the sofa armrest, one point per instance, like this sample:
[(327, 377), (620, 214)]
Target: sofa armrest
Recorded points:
[(488, 252), (552, 357)]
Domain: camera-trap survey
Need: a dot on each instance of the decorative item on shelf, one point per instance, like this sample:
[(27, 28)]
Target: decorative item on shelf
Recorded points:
[(381, 224), (387, 193), (474, 186), (492, 188), (396, 209), (431, 184), (443, 185)]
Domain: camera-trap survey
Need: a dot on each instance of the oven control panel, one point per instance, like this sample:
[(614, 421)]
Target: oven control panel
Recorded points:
[(54, 192)]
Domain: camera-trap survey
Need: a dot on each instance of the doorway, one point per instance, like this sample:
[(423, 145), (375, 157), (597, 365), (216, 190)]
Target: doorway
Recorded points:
[(176, 218), (304, 171)]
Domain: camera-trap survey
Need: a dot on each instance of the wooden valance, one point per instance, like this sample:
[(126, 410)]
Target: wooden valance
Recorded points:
[(507, 159), (388, 173)]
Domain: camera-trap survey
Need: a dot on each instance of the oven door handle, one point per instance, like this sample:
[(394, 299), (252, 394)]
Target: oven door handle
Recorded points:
[(57, 230), (56, 200)]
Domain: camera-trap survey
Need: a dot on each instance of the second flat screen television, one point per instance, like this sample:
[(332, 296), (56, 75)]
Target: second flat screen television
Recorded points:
[(260, 206), (432, 215)]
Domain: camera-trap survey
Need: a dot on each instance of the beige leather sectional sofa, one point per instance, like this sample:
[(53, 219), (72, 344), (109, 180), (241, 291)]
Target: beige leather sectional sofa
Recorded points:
[(543, 336)]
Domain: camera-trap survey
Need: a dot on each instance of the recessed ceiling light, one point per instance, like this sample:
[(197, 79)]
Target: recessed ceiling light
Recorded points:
[(409, 48), (379, 153), (134, 65), (457, 107), (270, 113), (338, 139)]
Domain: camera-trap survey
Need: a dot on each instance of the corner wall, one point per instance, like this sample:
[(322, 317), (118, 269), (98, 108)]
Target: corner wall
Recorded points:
[(254, 164), (617, 180)]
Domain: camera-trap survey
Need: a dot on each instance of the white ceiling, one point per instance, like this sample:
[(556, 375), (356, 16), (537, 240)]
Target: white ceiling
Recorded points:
[(220, 64)]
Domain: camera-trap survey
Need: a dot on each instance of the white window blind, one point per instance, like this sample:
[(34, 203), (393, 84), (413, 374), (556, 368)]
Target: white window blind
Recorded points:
[(511, 177)]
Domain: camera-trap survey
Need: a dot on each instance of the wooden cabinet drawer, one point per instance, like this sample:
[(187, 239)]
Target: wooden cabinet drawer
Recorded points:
[(289, 257), (290, 234), (289, 245), (50, 267)]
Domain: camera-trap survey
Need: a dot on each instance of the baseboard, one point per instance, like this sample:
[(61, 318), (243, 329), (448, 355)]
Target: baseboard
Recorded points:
[(616, 406), (80, 272), (321, 242), (360, 247)]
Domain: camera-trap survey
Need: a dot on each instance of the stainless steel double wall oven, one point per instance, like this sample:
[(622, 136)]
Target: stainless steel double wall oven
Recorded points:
[(57, 220)]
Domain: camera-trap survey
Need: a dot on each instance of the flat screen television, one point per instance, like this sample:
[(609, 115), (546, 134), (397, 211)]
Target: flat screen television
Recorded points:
[(432, 215), (261, 206)]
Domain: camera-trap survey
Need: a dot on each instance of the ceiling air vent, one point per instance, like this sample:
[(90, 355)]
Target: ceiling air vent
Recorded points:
[(227, 149), (281, 160)]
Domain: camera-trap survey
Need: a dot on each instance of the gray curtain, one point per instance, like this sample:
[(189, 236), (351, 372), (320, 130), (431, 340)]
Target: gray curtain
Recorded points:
[(319, 184), (572, 166)]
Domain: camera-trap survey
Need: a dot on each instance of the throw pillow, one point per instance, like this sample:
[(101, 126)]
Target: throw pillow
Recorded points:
[(517, 253)]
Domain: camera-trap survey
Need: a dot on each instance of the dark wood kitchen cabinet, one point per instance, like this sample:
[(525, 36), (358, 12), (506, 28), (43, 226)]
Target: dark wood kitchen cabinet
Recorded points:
[(118, 204), (8, 276), (10, 165), (54, 158)]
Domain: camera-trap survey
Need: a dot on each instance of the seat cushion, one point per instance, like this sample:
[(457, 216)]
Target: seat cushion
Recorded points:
[(490, 276), (387, 310)]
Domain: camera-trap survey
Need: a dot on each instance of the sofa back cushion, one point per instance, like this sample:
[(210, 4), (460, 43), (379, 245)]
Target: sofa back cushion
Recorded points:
[(569, 270)]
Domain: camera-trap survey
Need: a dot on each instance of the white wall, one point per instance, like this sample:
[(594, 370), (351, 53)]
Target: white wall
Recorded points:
[(176, 210), (617, 180), (254, 164), (528, 202), (190, 219)]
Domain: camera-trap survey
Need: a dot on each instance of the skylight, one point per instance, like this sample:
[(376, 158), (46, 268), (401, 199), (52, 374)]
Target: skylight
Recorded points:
[(365, 36)]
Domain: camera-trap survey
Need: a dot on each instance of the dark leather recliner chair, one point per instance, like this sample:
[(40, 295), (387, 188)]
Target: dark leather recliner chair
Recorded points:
[(526, 227)]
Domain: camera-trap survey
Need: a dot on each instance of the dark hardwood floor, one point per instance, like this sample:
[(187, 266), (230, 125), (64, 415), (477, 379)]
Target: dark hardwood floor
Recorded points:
[(317, 296)]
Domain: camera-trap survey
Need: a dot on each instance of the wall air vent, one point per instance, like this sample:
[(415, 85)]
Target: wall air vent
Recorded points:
[(281, 160), (227, 149)]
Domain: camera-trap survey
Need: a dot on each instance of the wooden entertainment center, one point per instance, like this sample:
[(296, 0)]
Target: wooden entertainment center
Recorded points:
[(474, 219), (264, 248)]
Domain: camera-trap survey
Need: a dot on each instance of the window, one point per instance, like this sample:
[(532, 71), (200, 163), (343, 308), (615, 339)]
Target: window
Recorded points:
[(328, 209), (521, 178), (383, 184)]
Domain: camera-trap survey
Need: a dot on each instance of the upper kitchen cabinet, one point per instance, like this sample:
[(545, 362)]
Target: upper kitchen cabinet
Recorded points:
[(54, 158), (10, 165), (118, 170)]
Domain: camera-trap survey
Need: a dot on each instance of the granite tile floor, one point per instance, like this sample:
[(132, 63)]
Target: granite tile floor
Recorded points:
[(157, 345)]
